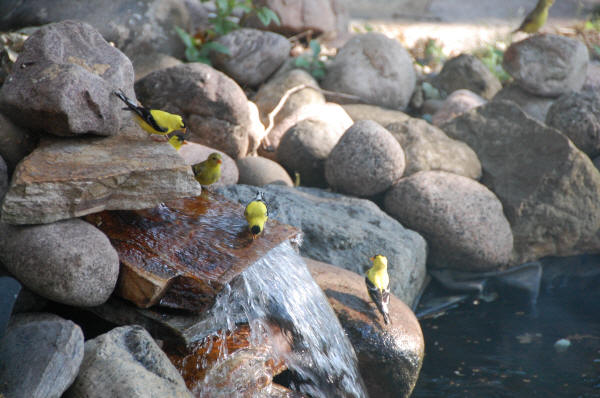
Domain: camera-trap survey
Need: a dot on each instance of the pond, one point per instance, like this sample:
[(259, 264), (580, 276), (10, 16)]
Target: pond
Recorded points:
[(507, 349)]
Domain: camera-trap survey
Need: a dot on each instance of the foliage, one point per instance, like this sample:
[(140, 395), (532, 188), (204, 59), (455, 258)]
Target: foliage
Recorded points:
[(199, 47), (429, 53), (312, 62), (492, 56)]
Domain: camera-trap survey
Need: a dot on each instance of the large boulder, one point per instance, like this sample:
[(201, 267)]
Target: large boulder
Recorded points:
[(533, 105), (549, 189), (389, 356), (375, 68), (461, 220), (259, 171), (127, 363), (63, 80), (377, 114), (70, 178), (345, 232), (366, 161), (304, 148), (40, 356), (426, 147), (253, 55), (577, 115), (214, 107), (69, 261), (466, 71), (547, 65), (15, 142), (133, 26)]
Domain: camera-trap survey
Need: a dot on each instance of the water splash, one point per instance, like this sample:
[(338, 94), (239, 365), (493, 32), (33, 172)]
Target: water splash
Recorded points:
[(279, 288)]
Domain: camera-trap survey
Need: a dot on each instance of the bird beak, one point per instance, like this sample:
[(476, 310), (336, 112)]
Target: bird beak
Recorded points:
[(219, 161), (372, 258)]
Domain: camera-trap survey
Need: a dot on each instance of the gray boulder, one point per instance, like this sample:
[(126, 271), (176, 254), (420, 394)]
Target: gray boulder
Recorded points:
[(253, 55), (547, 65), (375, 68), (215, 107), (346, 232), (134, 26), (3, 178), (304, 149), (461, 220), (63, 80), (40, 356), (366, 161), (70, 262), (457, 103), (577, 115), (375, 113), (426, 147), (466, 71), (534, 105), (259, 171), (127, 363), (15, 142), (549, 189)]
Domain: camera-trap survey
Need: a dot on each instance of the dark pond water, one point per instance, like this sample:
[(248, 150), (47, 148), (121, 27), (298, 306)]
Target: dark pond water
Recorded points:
[(504, 349)]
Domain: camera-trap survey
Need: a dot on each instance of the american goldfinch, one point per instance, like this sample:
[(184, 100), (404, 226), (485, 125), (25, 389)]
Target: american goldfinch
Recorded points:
[(257, 214), (536, 18), (176, 140), (152, 120), (209, 171), (378, 285)]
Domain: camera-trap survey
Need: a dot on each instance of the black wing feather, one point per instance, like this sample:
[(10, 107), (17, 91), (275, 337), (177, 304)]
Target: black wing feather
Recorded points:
[(143, 113), (380, 298)]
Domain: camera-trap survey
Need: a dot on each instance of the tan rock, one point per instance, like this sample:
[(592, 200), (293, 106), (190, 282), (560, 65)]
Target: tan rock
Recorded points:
[(259, 171), (378, 114)]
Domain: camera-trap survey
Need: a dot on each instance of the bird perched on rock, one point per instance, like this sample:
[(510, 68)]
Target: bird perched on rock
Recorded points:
[(378, 285), (176, 139), (257, 214), (209, 171), (536, 18), (152, 120)]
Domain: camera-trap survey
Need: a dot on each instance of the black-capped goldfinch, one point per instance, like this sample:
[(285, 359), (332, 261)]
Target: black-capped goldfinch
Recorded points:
[(152, 120), (209, 171), (378, 285), (176, 139), (536, 18), (257, 214)]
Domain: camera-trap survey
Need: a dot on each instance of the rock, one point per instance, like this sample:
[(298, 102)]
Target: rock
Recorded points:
[(577, 115), (214, 106), (426, 147), (259, 171), (592, 80), (389, 357), (256, 130), (461, 220), (305, 147), (345, 232), (375, 68), (366, 161), (126, 363), (375, 113), (70, 261), (457, 103), (253, 55), (547, 65), (596, 162), (11, 45), (133, 26), (303, 15), (431, 106), (3, 178), (194, 153), (146, 63), (9, 292), (70, 178), (534, 105), (466, 71), (549, 189), (40, 355), (15, 143), (71, 71)]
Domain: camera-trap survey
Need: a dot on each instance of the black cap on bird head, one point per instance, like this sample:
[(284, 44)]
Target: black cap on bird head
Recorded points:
[(255, 230)]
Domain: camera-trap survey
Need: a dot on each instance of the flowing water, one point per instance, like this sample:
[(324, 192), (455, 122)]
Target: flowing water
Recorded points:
[(279, 288)]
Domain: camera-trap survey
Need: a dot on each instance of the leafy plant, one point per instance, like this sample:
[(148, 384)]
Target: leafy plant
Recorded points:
[(199, 47), (312, 62), (492, 57)]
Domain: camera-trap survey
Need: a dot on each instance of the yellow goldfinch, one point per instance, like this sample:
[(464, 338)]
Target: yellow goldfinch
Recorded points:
[(536, 18), (378, 285), (209, 171), (152, 120), (257, 214), (176, 140)]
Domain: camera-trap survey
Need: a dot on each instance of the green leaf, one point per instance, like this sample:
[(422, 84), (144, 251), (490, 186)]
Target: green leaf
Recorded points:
[(216, 47), (302, 62), (266, 15), (315, 47), (192, 54), (221, 5), (186, 38), (318, 73)]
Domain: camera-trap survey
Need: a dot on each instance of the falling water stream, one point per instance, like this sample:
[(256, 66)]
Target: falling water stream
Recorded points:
[(279, 288)]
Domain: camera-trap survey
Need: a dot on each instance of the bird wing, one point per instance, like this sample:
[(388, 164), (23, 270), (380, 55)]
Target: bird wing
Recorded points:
[(142, 112), (381, 298), (198, 168)]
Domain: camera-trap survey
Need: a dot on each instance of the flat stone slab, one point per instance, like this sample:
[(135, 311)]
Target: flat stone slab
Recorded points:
[(73, 177)]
